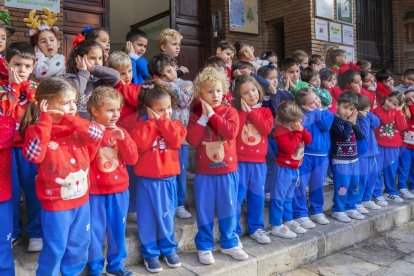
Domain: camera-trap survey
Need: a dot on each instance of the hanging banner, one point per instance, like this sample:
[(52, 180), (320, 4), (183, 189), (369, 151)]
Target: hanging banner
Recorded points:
[(52, 5)]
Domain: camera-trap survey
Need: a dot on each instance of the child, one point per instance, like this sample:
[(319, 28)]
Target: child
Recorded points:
[(218, 63), (344, 157), (85, 70), (291, 138), (20, 58), (364, 65), (44, 38), (62, 146), (303, 59), (369, 86), (291, 76), (5, 31), (329, 81), (337, 61), (385, 85), (245, 68), (407, 81), (392, 123), (170, 44), (245, 52), (225, 50), (314, 168), (317, 62), (109, 193), (312, 77), (100, 36), (270, 56), (212, 130), (351, 81), (158, 140), (135, 47), (162, 68), (256, 123)]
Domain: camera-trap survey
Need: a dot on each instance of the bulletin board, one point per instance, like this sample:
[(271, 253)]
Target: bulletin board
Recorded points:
[(244, 16)]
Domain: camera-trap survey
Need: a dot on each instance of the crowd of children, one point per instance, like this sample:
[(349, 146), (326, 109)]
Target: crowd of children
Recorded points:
[(104, 137)]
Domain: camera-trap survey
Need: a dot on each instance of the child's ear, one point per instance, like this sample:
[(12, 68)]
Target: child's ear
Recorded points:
[(162, 47), (218, 50), (94, 111), (252, 49), (58, 44)]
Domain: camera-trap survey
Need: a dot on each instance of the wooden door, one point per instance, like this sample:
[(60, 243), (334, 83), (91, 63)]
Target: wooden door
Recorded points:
[(77, 14)]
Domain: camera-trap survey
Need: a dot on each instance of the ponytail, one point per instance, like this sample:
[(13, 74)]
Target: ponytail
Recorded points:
[(30, 117)]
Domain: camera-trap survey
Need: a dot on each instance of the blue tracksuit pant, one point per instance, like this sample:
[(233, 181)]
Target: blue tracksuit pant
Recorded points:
[(156, 204), (368, 172), (345, 179), (387, 161), (66, 238), (312, 174), (108, 213), (281, 195), (270, 162), (6, 229), (251, 187), (182, 177), (133, 179), (405, 170), (216, 193), (23, 176)]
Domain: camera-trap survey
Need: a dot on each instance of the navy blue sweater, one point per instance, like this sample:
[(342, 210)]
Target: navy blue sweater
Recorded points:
[(343, 139)]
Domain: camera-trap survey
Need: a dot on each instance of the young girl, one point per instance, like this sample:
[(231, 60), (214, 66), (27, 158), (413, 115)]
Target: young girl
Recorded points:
[(212, 130), (158, 140), (63, 146), (85, 69), (312, 77), (100, 36), (5, 31), (270, 56), (337, 61), (369, 86), (303, 59), (385, 85), (329, 81), (109, 193), (392, 123), (245, 52), (256, 123), (351, 81), (314, 168)]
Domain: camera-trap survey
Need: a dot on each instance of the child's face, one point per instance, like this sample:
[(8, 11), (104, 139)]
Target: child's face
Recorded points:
[(212, 94), (246, 53), (162, 107), (272, 78), (272, 60), (345, 110), (48, 43), (356, 84), (315, 81), (95, 56), (293, 72), (388, 82), (391, 103), (334, 80), (249, 93), (140, 46), (22, 66), (318, 66), (226, 54), (108, 114), (409, 98), (305, 63), (172, 47), (312, 101), (126, 74), (369, 78), (408, 80), (66, 103), (103, 40), (169, 74), (3, 39)]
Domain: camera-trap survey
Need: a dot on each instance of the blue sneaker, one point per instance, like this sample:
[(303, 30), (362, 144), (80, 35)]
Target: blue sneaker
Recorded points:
[(153, 265), (122, 272), (173, 260)]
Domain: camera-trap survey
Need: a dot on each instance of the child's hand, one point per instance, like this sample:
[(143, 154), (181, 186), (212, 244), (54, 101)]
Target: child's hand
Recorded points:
[(296, 126), (362, 114), (118, 133), (43, 106), (272, 89), (14, 77), (236, 73), (89, 66), (353, 117), (80, 63), (287, 82), (184, 69), (341, 60), (245, 107), (207, 109), (129, 48), (355, 88), (306, 108), (152, 114), (401, 107), (327, 84)]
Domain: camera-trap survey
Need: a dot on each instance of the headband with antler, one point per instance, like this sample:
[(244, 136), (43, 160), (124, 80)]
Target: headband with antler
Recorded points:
[(46, 22), (5, 21)]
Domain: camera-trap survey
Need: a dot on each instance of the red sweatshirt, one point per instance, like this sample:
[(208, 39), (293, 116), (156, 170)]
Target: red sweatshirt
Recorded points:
[(63, 153), (7, 126), (252, 139), (4, 72), (370, 94), (291, 146), (392, 123), (345, 67), (158, 142), (381, 92), (409, 133), (215, 142), (108, 172), (130, 92), (335, 93)]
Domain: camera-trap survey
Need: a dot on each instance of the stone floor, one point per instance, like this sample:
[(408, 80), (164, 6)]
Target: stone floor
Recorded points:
[(389, 253)]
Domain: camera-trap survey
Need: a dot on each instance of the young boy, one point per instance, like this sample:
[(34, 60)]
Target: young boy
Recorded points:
[(344, 154), (135, 47), (5, 31), (303, 59), (407, 81), (291, 76), (317, 62), (385, 85), (226, 51), (170, 44), (245, 52)]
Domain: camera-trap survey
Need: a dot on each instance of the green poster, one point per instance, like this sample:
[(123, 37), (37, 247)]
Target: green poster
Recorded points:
[(344, 11)]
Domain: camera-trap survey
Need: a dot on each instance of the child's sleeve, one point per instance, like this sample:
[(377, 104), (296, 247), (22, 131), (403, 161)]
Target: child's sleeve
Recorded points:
[(37, 138), (7, 127), (262, 81), (227, 127), (335, 92), (130, 93), (262, 119), (324, 95), (195, 130), (142, 68), (287, 141), (89, 133), (358, 132), (324, 119), (107, 75), (364, 125), (128, 149), (400, 121), (46, 67), (374, 121), (285, 95), (306, 136), (144, 134), (79, 80), (341, 128), (173, 131), (183, 91)]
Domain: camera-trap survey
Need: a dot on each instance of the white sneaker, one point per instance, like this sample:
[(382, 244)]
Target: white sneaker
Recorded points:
[(295, 227), (182, 213), (395, 198), (236, 253), (380, 201), (320, 218), (260, 236), (355, 214), (306, 223), (35, 245), (361, 209), (205, 257), (341, 216), (132, 217), (329, 179), (190, 175), (371, 205), (267, 197), (406, 194), (283, 231)]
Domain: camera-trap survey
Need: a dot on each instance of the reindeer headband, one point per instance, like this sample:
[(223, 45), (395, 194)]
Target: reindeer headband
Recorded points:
[(5, 21), (46, 22)]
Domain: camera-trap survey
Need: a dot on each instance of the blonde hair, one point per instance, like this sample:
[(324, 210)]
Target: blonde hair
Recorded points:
[(166, 33), (101, 95), (118, 60), (300, 55), (289, 112), (208, 77)]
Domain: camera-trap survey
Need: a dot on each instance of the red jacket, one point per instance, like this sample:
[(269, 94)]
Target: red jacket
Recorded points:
[(251, 143), (130, 92), (216, 142), (63, 153), (335, 93), (7, 126), (345, 67), (409, 132), (108, 172), (158, 142), (392, 124), (291, 146), (381, 92)]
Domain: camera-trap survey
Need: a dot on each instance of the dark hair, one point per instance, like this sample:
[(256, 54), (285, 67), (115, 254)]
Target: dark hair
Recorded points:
[(81, 50), (215, 61), (331, 54), (264, 71), (407, 72), (363, 64), (301, 94), (136, 34), (326, 74), (313, 59), (21, 49), (236, 91), (240, 44), (398, 95), (152, 91), (383, 75), (92, 34), (364, 73), (363, 102), (34, 39), (308, 73), (289, 112), (241, 64), (289, 62), (347, 78), (223, 45), (348, 98), (159, 62), (267, 54)]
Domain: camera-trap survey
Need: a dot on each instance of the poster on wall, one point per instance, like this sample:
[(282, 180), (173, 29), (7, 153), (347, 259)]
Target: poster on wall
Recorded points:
[(344, 11), (321, 29), (53, 5), (244, 16), (350, 52), (325, 9), (347, 35), (335, 32)]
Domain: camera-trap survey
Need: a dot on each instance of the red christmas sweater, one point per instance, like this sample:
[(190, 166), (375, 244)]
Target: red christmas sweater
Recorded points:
[(216, 141), (7, 126), (108, 172), (392, 124), (130, 92), (409, 132), (63, 153), (251, 141), (381, 92), (291, 146), (345, 67), (158, 142), (335, 93)]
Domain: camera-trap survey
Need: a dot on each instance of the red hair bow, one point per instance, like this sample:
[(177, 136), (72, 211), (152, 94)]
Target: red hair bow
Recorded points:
[(77, 39)]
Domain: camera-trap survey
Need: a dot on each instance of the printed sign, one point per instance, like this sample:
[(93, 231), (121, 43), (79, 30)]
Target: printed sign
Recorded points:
[(321, 29), (52, 5)]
